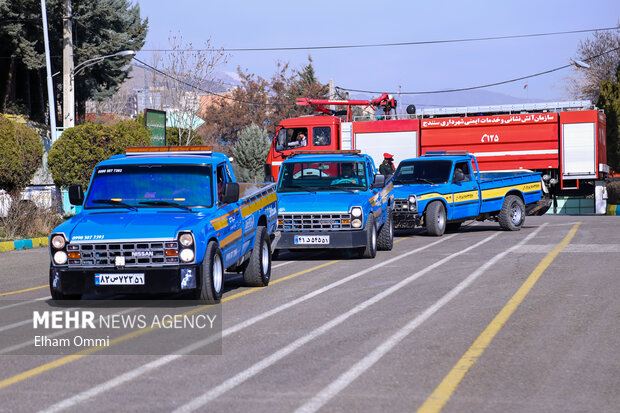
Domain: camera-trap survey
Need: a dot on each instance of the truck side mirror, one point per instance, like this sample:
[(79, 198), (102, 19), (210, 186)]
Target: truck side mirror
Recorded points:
[(379, 181), (76, 195), (231, 193), (458, 177)]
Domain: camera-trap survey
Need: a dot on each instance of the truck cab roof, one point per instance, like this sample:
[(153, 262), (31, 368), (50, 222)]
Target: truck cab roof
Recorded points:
[(165, 158), (332, 156)]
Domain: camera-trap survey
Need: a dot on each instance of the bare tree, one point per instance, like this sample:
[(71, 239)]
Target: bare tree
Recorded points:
[(602, 53), (189, 73)]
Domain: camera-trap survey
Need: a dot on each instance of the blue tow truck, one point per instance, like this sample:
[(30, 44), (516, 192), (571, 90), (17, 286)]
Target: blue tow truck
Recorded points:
[(334, 199), (440, 190), (163, 220)]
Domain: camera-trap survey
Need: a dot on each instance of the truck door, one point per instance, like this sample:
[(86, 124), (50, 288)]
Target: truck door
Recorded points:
[(230, 236), (465, 192)]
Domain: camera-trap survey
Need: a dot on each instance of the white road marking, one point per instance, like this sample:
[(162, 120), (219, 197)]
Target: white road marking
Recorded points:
[(24, 302), (367, 362), (250, 372), (132, 374), (14, 325), (570, 248), (282, 264)]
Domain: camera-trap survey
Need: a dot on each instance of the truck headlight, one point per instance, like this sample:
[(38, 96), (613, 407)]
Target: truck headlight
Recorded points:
[(60, 257), (58, 242), (356, 212), (356, 223), (187, 255), (413, 203), (186, 239)]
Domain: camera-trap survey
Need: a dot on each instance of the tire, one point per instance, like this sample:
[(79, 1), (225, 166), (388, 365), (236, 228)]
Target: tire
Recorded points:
[(57, 295), (258, 270), (385, 239), (512, 215), (436, 219), (453, 227), (370, 250), (212, 275)]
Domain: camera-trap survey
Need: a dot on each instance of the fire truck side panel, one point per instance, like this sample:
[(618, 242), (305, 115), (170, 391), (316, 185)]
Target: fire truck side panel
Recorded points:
[(583, 147), (398, 137), (500, 142)]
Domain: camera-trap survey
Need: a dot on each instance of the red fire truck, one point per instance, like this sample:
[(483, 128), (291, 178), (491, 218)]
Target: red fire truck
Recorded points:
[(566, 141)]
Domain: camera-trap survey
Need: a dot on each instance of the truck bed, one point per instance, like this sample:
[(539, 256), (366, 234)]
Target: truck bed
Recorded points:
[(495, 185)]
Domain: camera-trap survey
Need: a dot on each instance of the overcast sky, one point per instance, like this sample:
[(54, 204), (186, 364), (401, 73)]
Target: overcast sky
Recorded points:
[(265, 24)]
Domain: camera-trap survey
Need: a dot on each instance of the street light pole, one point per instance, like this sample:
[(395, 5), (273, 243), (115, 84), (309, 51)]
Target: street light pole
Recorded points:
[(68, 92), (69, 85), (48, 67)]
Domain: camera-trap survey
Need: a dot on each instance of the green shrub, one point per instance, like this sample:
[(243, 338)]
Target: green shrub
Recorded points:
[(73, 157), (21, 154)]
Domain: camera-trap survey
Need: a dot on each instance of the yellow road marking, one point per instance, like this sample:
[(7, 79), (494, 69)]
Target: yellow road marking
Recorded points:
[(91, 350), (25, 290), (443, 392)]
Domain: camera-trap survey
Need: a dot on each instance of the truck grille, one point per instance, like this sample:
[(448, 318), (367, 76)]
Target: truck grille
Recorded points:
[(401, 205), (138, 254), (314, 222)]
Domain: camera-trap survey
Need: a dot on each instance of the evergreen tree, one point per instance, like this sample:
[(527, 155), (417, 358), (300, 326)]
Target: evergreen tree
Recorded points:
[(609, 101), (250, 151), (100, 27)]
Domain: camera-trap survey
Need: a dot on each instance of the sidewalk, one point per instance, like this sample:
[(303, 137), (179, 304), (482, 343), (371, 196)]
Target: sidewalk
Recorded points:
[(23, 243)]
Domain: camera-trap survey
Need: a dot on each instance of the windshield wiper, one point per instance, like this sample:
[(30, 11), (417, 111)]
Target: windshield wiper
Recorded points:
[(165, 203), (425, 180), (113, 202), (306, 188)]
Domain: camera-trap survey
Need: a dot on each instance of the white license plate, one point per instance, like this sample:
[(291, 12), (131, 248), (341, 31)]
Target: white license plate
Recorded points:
[(312, 239), (119, 279)]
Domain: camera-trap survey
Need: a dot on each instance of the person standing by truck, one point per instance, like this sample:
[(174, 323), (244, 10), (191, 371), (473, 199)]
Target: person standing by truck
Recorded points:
[(387, 166)]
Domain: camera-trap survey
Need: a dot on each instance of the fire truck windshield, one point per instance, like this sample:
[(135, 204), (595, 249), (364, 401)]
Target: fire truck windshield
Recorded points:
[(291, 138), (152, 186), (322, 176), (423, 172)]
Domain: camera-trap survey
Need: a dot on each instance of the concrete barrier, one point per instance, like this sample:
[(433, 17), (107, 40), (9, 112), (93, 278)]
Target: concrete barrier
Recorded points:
[(23, 244)]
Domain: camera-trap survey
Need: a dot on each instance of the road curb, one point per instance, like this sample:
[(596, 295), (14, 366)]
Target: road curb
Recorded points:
[(613, 209), (23, 244)]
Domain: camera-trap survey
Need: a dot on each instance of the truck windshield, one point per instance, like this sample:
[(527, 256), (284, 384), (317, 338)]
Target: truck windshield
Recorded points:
[(323, 176), (150, 186), (291, 138), (423, 172)]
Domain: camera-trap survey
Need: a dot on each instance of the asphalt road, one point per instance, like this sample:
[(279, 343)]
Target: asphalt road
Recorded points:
[(478, 321)]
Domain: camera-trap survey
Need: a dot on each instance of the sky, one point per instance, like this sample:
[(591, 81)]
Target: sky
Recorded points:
[(430, 67)]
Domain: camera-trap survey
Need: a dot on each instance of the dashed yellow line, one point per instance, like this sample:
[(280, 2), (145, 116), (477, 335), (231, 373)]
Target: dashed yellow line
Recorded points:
[(448, 385)]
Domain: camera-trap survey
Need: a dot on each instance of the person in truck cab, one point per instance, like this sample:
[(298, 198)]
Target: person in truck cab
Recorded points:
[(387, 166), (347, 176)]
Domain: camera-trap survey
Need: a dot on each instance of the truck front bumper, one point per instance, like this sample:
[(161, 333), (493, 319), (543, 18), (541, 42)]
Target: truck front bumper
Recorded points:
[(156, 280), (337, 239), (406, 220)]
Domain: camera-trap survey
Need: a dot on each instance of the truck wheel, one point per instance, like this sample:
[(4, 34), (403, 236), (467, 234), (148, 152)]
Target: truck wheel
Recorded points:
[(453, 227), (370, 250), (258, 271), (385, 240), (512, 215), (212, 275), (436, 219), (57, 295)]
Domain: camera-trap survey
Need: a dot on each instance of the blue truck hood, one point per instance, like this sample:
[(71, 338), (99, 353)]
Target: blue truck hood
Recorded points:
[(321, 201), (403, 191), (109, 226)]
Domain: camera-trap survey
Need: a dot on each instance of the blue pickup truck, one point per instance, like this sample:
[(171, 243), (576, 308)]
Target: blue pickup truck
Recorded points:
[(334, 199), (161, 220), (440, 191)]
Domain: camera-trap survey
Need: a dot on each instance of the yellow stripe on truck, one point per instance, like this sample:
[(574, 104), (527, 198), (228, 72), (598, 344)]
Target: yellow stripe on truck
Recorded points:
[(466, 196), (501, 192), (258, 204)]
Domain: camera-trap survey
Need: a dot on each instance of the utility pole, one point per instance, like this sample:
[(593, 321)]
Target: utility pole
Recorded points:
[(68, 91)]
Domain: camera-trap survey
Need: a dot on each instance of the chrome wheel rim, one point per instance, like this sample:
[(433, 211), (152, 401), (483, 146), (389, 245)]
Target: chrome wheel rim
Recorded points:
[(218, 273), (441, 220), (373, 241), (515, 214), (265, 259)]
